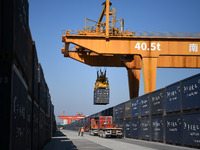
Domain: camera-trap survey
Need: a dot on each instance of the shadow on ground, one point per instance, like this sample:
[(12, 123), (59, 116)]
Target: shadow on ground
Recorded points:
[(60, 142), (58, 133)]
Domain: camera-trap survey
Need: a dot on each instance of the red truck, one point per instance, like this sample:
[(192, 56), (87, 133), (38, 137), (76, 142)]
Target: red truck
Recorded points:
[(103, 127)]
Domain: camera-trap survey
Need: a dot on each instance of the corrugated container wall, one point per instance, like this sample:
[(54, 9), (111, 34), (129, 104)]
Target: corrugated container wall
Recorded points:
[(128, 128), (20, 113), (173, 129), (42, 88), (116, 113), (127, 113), (121, 125), (5, 105), (35, 73), (135, 132), (135, 107), (19, 81), (156, 102), (145, 105), (109, 111), (30, 62), (157, 128), (14, 35), (35, 133), (191, 129), (145, 128), (190, 93), (48, 105), (173, 98), (121, 108)]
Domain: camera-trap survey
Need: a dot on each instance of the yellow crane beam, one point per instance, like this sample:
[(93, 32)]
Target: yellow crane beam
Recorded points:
[(144, 46)]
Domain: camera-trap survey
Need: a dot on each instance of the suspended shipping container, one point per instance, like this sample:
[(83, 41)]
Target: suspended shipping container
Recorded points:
[(101, 89), (101, 96)]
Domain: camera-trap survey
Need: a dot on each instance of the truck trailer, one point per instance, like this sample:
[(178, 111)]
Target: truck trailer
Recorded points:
[(103, 127)]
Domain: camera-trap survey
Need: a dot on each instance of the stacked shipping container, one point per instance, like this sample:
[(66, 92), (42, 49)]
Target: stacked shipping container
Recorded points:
[(20, 104)]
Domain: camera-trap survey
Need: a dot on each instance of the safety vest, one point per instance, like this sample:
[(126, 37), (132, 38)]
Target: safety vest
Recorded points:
[(82, 130)]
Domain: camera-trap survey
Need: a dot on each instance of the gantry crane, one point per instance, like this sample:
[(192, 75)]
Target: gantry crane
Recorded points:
[(105, 45)]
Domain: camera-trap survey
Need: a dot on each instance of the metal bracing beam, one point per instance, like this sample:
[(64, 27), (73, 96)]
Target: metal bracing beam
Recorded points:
[(94, 59)]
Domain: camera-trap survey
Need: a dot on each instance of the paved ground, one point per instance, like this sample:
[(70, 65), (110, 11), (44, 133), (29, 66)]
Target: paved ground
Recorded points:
[(68, 140)]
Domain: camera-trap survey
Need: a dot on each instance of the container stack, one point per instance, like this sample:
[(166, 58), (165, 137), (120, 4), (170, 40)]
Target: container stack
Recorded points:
[(20, 105), (136, 115), (173, 118), (190, 92), (156, 113), (144, 126)]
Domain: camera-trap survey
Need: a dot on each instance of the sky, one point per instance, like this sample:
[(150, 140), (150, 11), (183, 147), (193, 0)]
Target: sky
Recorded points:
[(71, 83)]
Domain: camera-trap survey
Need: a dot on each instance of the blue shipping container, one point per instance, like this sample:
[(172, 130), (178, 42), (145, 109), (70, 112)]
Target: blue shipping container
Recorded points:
[(121, 125), (173, 129), (135, 128), (121, 108), (145, 128), (135, 107), (157, 126), (127, 110), (144, 103), (128, 128), (156, 102), (116, 112), (173, 98), (101, 96), (191, 129), (190, 90)]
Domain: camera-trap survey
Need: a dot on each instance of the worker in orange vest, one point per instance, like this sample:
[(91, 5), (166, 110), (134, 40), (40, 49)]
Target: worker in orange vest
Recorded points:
[(82, 131)]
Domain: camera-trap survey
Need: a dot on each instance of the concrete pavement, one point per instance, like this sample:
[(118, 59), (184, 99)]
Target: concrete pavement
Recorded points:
[(69, 140)]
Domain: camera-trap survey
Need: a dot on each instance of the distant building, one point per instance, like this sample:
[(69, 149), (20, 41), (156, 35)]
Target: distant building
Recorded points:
[(70, 119)]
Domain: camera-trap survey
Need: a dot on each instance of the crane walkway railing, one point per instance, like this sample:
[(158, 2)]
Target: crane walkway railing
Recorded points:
[(150, 34)]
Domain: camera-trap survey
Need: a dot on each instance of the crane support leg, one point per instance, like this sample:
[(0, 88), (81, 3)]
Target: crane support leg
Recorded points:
[(149, 66), (134, 82)]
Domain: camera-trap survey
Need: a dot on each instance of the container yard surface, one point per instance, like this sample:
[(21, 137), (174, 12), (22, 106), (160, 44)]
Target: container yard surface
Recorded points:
[(67, 139)]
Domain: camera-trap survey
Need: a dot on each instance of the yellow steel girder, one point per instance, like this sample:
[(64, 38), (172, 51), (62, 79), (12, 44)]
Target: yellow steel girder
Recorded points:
[(146, 47)]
